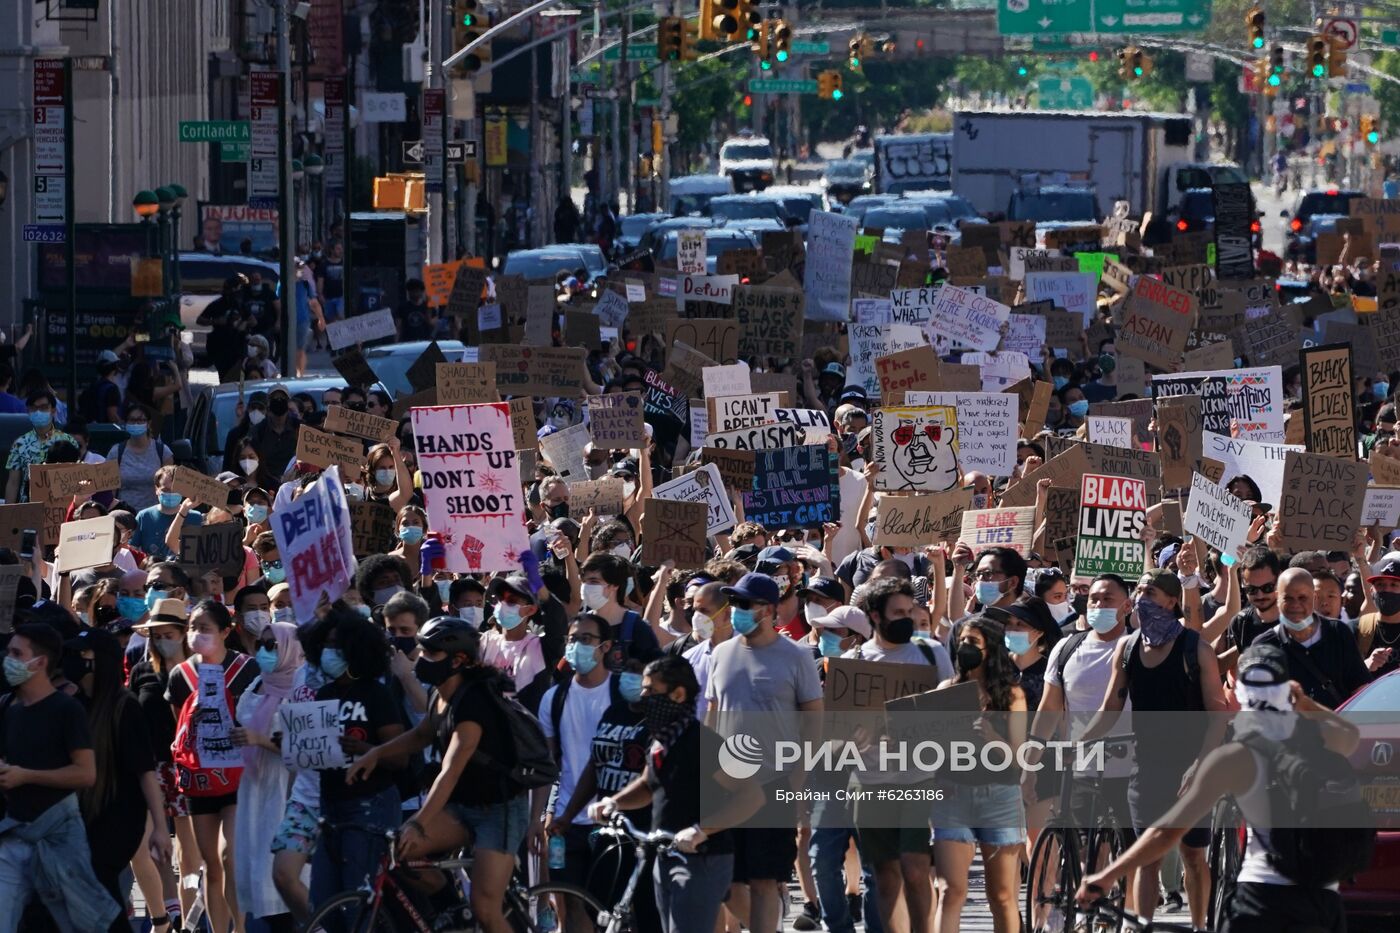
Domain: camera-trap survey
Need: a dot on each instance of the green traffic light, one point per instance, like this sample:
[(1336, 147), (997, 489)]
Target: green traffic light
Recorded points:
[(468, 19), (1021, 72), (782, 56), (855, 62), (1258, 42), (1373, 137), (1319, 70), (836, 94), (1274, 80), (765, 65), (1137, 72)]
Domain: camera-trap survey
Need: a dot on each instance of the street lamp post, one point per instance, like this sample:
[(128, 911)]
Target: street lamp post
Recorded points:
[(298, 194), (180, 195), (315, 165), (165, 201)]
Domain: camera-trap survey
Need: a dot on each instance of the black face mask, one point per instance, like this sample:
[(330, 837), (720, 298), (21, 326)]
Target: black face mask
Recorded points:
[(969, 657), (432, 673), (897, 631), (277, 406), (1388, 603), (75, 667), (1081, 604), (355, 406), (659, 711), (404, 643), (559, 511)]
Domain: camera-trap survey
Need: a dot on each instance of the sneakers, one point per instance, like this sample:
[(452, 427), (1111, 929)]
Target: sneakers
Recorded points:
[(809, 919), (855, 903), (1174, 901)]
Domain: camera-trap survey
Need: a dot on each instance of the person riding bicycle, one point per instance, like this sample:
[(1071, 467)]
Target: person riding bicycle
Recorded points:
[(470, 801), (1280, 170), (1265, 899)]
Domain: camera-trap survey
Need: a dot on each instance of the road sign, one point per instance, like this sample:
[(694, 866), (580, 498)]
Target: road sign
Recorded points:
[(1356, 87), (235, 152), (461, 150), (803, 47), (1032, 17), (1390, 37), (596, 92), (1343, 30), (215, 131), (413, 150), (1068, 93), (1052, 17), (636, 52), (264, 107), (782, 86), (50, 142), (44, 233)]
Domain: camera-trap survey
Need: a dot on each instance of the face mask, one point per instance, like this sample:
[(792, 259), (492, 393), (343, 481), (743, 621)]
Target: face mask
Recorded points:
[(702, 626), (1080, 603), (443, 587), (404, 643), (277, 407), (287, 615), (171, 500), (1381, 390), (1265, 710), (432, 673), (137, 430), (1296, 626), (628, 488), (897, 631), (979, 500), (167, 647), (1079, 409), (660, 711), (582, 658), (595, 596), (252, 352), (1387, 603), (201, 642), (559, 422), (275, 573), (333, 663), (385, 477), (1107, 363), (1158, 625), (812, 612), (131, 607), (830, 645), (969, 657), (1060, 382), (267, 659), (257, 514), (385, 593), (17, 671), (1018, 642), (41, 419), (630, 686), (155, 596), (509, 616), (743, 620), (988, 592), (250, 466), (1060, 611), (256, 417), (782, 583), (76, 667), (621, 550), (1102, 620), (410, 534), (255, 621), (471, 615), (560, 510)]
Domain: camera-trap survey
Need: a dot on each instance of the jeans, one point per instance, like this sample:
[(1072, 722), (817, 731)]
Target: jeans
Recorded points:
[(353, 842), (828, 852), (689, 893)]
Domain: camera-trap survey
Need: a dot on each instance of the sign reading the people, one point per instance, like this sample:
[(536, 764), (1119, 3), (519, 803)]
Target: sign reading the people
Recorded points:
[(1112, 516)]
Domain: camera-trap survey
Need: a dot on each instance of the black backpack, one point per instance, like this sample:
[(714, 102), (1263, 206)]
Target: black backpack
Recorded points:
[(1331, 832), (1190, 641), (533, 766), (561, 696)]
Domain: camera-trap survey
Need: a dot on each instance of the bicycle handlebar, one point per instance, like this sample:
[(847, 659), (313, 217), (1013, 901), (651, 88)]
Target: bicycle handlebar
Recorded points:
[(622, 827)]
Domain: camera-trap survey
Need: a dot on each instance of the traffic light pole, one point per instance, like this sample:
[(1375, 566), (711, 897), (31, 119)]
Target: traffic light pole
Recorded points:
[(286, 219)]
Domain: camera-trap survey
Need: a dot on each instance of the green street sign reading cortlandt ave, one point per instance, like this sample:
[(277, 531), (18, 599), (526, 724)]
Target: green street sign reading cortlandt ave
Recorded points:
[(636, 52), (215, 131)]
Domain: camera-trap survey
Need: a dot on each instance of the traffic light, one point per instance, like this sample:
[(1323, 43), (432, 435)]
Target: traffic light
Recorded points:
[(688, 40), (725, 19), (782, 40), (854, 49), (1265, 81), (1370, 130), (1319, 51), (670, 38), (1276, 66), (838, 85), (749, 20), (761, 46), (1254, 25), (468, 23), (825, 85), (1336, 59), (705, 25), (1133, 63)]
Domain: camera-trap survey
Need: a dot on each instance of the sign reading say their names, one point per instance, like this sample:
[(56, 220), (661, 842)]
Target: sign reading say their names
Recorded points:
[(361, 328)]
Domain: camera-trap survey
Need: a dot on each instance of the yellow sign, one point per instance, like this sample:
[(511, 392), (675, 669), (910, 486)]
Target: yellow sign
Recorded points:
[(496, 150)]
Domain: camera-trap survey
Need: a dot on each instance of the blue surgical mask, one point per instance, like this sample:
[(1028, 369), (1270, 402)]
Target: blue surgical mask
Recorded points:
[(988, 592), (131, 607), (1018, 642), (274, 572), (411, 534), (333, 663), (17, 671), (257, 514), (385, 477), (267, 659), (743, 620), (443, 587), (471, 615), (1060, 382), (1079, 409), (1381, 389), (508, 615), (1102, 619), (155, 596), (630, 686), (171, 500), (582, 658), (41, 419), (137, 429), (830, 645)]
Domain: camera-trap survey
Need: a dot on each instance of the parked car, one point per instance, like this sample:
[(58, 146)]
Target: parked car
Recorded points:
[(546, 262), (391, 362), (1300, 236), (746, 207), (691, 194), (845, 179), (1195, 211), (1372, 899), (202, 277), (633, 227), (213, 412)]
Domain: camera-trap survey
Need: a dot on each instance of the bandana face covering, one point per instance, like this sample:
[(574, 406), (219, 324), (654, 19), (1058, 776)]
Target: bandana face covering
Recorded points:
[(1265, 711), (1159, 625)]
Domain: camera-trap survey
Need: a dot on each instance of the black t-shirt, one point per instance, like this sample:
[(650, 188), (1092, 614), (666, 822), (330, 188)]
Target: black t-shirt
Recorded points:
[(332, 279), (1333, 657), (178, 688), (478, 784), (642, 645), (1245, 627), (680, 778), (414, 321), (1387, 636), (43, 737), (150, 688), (366, 706), (132, 756), (260, 308), (620, 753)]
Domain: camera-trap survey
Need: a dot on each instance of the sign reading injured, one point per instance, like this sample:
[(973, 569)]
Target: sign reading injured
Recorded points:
[(1112, 516)]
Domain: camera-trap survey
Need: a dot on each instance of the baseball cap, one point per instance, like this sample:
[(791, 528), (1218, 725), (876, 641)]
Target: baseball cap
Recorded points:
[(758, 587), (847, 617), (825, 587), (278, 388), (854, 394), (1164, 580), (834, 369), (1388, 567), (227, 476), (773, 557), (1263, 666), (515, 583), (108, 356)]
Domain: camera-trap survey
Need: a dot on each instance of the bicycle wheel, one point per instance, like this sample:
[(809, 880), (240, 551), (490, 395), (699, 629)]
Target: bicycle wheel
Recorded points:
[(1051, 881), (1225, 858), (1105, 845), (350, 912), (566, 908)]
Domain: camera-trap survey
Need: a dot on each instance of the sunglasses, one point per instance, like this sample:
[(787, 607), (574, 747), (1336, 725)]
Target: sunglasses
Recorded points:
[(269, 643), (1264, 589)]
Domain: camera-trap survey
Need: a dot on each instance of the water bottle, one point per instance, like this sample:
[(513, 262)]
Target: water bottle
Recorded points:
[(556, 852)]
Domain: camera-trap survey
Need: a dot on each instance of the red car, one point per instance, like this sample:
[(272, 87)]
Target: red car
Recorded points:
[(1373, 897)]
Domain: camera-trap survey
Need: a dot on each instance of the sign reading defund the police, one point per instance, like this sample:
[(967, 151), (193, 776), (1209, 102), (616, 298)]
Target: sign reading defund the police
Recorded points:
[(1112, 516), (313, 537), (472, 485)]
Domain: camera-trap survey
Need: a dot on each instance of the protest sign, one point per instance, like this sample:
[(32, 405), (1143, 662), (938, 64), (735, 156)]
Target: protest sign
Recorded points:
[(826, 276), (422, 373), (767, 436), (872, 310), (735, 466), (1075, 292), (998, 371), (217, 547), (1270, 337), (796, 487), (1217, 517), (741, 411), (611, 309), (1156, 323), (565, 451), (10, 575), (1329, 415), (466, 383), (770, 320), (869, 342), (1234, 215), (730, 380), (965, 262), (18, 517), (472, 485), (1018, 256), (1210, 356), (685, 369), (206, 490), (1061, 513), (1179, 438), (705, 295), (1013, 528), (212, 722), (1036, 409), (582, 329), (1262, 463), (1113, 431), (1139, 411), (716, 338), (1117, 276), (467, 289), (875, 278), (917, 521), (1063, 470), (361, 328), (60, 482), (916, 448), (615, 421), (663, 402), (309, 538), (1131, 462), (703, 486), (690, 251), (913, 306), (1384, 466), (1320, 508), (1381, 507), (602, 496), (539, 371), (321, 449), (743, 262), (342, 420), (522, 422), (371, 527), (965, 318), (1245, 403), (311, 735), (853, 685), (1025, 334), (88, 543), (438, 278), (1064, 330), (915, 368), (674, 530), (1112, 516), (987, 428), (354, 367)]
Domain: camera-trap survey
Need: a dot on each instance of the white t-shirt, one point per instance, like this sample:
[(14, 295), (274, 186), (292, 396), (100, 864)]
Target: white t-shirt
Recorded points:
[(909, 653), (847, 540), (520, 660), (578, 721), (1088, 672)]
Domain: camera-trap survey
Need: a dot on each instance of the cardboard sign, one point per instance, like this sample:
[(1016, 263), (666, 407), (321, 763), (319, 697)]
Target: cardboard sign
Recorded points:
[(795, 487), (1139, 411), (466, 383), (311, 735), (1076, 292), (703, 486), (541, 308), (663, 402), (314, 538), (1156, 323), (438, 278), (1245, 403), (1320, 508), (467, 289), (472, 485), (342, 420), (988, 428), (1234, 215), (323, 450), (603, 497), (1115, 432), (10, 575), (371, 527), (361, 329), (690, 251), (1217, 517), (1385, 467), (16, 518), (1037, 409), (1329, 415), (1061, 513), (217, 547), (1382, 506), (869, 342), (615, 421), (1179, 438), (826, 276), (735, 466), (770, 320), (716, 338), (916, 448), (612, 309), (1112, 516), (1063, 470), (999, 371), (60, 482), (1020, 254), (353, 365), (965, 262), (965, 318), (1025, 334), (564, 450), (920, 520), (522, 422), (582, 329), (88, 543), (1013, 528), (545, 372), (767, 436), (916, 368), (868, 685), (721, 381), (675, 531), (874, 278), (713, 294), (744, 263), (206, 490), (1210, 356)]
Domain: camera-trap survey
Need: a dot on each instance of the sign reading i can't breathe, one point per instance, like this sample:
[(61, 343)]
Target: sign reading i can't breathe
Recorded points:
[(1112, 516)]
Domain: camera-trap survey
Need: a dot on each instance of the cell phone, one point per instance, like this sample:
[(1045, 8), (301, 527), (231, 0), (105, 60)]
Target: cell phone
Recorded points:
[(26, 544), (141, 337)]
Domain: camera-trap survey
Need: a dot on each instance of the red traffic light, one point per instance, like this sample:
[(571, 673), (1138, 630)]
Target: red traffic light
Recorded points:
[(748, 100), (1093, 56)]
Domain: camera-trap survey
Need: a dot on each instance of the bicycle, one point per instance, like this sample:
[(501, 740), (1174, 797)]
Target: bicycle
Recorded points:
[(1129, 920), (1226, 856), (1063, 855)]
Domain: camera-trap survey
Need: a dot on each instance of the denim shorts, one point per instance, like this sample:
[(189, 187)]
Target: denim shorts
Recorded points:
[(500, 827), (991, 814), (299, 829)]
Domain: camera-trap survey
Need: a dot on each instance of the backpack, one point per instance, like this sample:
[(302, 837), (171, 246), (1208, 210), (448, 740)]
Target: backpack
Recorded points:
[(533, 765), (622, 647), (561, 695), (1071, 646), (1331, 832), (1191, 661), (161, 451), (196, 781)]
